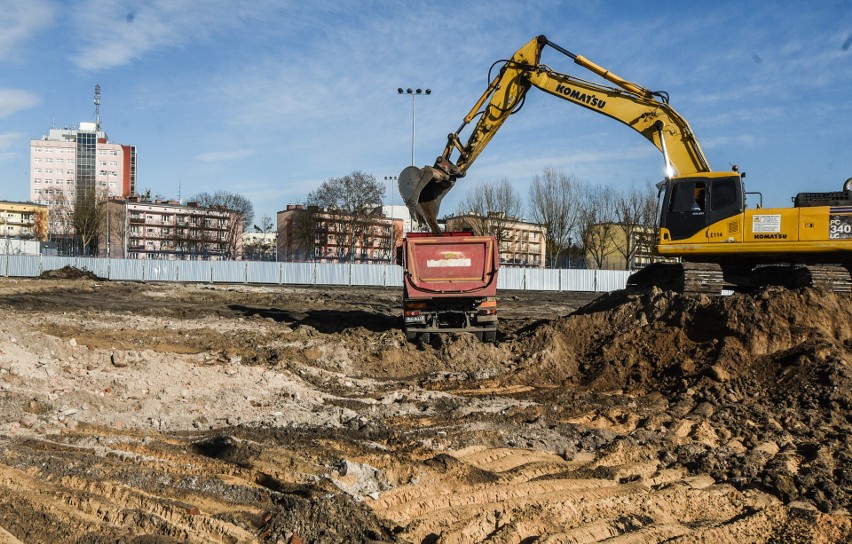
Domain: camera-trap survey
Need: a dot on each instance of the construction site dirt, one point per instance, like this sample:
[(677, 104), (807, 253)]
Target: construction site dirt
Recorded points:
[(160, 413)]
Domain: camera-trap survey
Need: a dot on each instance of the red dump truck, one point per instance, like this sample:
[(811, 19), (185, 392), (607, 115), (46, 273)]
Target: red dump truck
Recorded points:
[(449, 285)]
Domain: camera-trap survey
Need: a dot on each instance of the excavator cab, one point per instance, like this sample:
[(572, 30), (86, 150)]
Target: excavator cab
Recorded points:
[(691, 203)]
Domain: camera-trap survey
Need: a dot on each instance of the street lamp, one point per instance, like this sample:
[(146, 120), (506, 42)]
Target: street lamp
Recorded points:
[(413, 93), (391, 181)]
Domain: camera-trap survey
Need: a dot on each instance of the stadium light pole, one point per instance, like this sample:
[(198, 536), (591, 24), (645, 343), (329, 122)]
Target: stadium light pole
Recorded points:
[(414, 93)]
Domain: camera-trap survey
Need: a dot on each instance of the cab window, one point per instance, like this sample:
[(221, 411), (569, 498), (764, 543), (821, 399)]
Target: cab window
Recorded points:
[(723, 195), (688, 197)]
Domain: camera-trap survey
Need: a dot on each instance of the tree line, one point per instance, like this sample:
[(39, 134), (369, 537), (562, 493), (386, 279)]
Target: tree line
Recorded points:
[(581, 220)]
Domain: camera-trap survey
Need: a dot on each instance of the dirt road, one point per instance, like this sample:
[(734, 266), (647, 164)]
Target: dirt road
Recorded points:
[(156, 413)]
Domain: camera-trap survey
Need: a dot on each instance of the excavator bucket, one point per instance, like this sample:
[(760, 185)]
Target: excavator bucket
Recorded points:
[(422, 190)]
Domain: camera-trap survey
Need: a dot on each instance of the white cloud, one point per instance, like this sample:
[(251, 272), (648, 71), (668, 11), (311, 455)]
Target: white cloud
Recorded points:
[(114, 33), (216, 156), (9, 144), (19, 21), (14, 100)]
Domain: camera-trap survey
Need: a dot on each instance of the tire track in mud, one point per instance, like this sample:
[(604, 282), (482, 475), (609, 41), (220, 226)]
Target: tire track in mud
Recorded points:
[(538, 497), (132, 485)]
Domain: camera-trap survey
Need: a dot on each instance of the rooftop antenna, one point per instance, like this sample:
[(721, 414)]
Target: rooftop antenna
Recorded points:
[(97, 107)]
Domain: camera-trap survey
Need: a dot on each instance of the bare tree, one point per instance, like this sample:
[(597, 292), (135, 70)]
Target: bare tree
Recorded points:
[(88, 216), (230, 201), (115, 229), (491, 208), (554, 202), (242, 215), (304, 230), (597, 223), (351, 202), (649, 220), (629, 209), (61, 218)]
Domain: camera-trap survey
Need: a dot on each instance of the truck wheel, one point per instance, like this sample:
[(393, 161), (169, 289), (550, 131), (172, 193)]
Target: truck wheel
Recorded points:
[(425, 337), (489, 336), (478, 335), (410, 336)]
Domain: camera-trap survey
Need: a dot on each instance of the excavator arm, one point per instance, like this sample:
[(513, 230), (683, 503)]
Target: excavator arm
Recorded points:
[(647, 112)]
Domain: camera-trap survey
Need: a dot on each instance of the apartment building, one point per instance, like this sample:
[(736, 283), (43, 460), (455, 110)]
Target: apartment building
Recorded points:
[(321, 235), (71, 164), (23, 220), (142, 229), (521, 243), (616, 246)]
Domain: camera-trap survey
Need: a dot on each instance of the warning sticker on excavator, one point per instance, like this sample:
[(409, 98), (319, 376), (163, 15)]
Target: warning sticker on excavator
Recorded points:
[(766, 223)]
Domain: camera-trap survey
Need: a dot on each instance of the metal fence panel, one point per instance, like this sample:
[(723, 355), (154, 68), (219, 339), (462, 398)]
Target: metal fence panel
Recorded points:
[(21, 265), (611, 280), (297, 273), (395, 278), (577, 280), (332, 274), (126, 270), (161, 270), (228, 271), (541, 279), (193, 271), (510, 278), (263, 272), (373, 275)]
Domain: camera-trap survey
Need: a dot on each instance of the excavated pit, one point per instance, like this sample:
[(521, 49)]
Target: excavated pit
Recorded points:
[(196, 413)]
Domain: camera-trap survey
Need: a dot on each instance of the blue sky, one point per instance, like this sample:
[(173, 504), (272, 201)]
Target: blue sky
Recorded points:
[(269, 98)]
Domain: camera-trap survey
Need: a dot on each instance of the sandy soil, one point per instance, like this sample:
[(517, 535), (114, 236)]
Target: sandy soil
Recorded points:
[(159, 413)]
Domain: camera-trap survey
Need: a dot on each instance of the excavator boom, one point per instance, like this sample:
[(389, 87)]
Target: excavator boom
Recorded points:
[(643, 110)]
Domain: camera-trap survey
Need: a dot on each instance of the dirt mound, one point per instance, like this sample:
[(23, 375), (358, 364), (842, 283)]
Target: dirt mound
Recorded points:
[(772, 369), (69, 272)]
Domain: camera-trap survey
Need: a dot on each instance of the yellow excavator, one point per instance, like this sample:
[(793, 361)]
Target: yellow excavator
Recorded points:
[(704, 220)]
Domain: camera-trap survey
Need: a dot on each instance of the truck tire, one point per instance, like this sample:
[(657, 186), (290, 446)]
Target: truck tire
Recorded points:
[(425, 337), (410, 336), (489, 336)]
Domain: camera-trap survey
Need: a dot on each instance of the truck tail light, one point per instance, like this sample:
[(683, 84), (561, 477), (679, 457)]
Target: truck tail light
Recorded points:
[(488, 311), (412, 313)]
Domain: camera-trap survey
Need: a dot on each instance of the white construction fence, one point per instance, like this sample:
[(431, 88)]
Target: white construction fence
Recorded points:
[(377, 275)]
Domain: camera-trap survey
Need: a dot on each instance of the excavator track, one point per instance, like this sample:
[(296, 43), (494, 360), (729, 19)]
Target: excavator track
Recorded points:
[(711, 278), (835, 278), (702, 278), (690, 278)]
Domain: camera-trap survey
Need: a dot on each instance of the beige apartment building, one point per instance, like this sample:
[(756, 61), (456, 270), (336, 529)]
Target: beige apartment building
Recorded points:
[(320, 235), (23, 220), (141, 229), (522, 244), (615, 246)]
